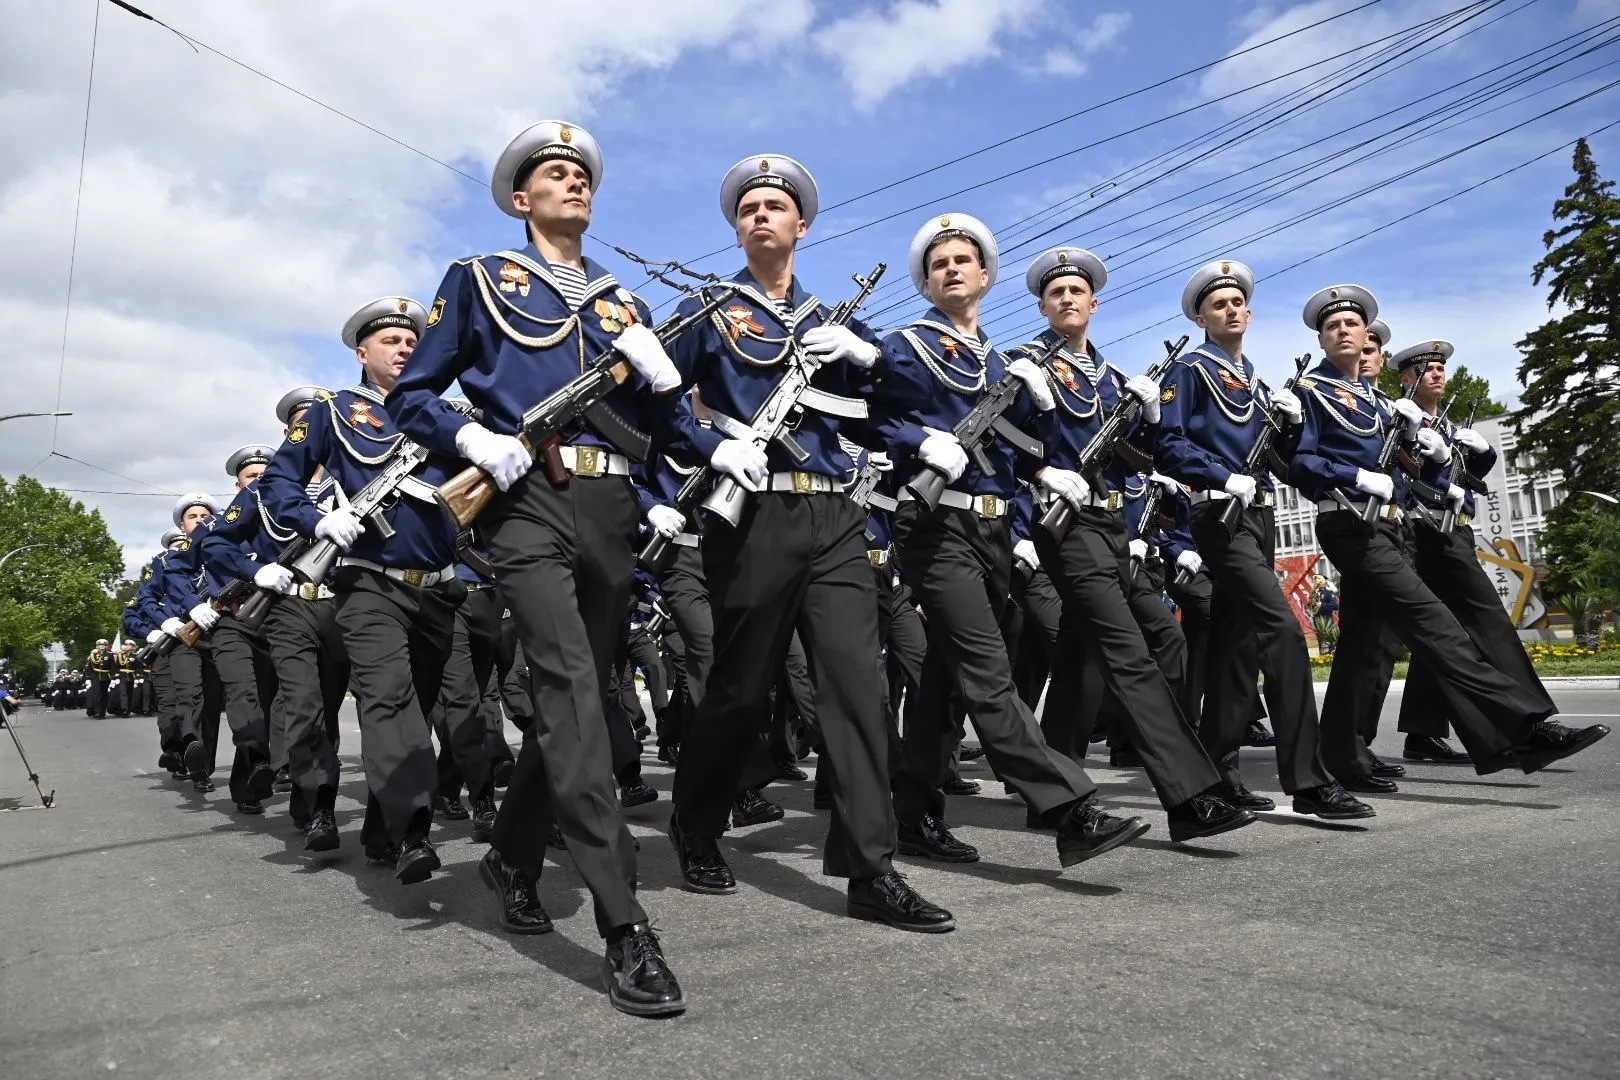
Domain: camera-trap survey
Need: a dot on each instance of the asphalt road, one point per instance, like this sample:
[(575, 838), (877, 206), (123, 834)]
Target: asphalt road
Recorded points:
[(1470, 931)]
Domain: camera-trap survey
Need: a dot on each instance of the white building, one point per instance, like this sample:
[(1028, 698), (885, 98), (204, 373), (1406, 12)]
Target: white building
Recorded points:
[(1509, 525)]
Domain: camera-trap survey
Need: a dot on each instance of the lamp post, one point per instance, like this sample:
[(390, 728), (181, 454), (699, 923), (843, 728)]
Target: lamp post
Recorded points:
[(1600, 495), (25, 547)]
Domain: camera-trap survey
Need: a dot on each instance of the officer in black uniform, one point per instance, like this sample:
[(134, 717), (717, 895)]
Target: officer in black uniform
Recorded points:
[(795, 560), (513, 328), (1213, 408), (103, 668), (396, 596), (1336, 464)]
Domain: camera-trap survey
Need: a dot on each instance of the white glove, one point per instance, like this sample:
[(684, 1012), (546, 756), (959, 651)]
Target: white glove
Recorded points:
[(1285, 403), (941, 451), (646, 354), (1146, 391), (1138, 549), (831, 343), (172, 627), (502, 456), (1190, 561), (1242, 487), (1375, 483), (154, 637), (204, 616), (1471, 440), (1171, 487), (275, 577), (1034, 381), (1433, 447), (742, 461), (342, 526), (1024, 552), (1411, 412), (1457, 497), (880, 461), (1065, 485), (666, 521)]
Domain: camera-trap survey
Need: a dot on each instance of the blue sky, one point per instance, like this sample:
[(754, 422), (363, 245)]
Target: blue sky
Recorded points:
[(228, 227)]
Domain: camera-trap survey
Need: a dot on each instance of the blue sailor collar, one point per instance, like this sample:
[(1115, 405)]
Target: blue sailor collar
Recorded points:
[(1072, 388), (940, 346), (800, 301), (597, 277), (1351, 402), (361, 425)]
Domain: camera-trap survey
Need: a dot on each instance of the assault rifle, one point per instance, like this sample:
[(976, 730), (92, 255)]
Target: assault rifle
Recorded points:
[(1108, 443), (226, 603), (1262, 455), (1150, 520), (1386, 453), (583, 398), (311, 564), (983, 422), (772, 422), (1465, 479)]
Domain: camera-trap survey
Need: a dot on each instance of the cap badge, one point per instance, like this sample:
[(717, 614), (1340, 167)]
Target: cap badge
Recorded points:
[(566, 134), (1226, 268), (1333, 294), (945, 222), (404, 306), (764, 165), (1063, 257)]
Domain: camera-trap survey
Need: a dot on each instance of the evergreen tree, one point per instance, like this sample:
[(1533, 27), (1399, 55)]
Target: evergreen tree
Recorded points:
[(1571, 366)]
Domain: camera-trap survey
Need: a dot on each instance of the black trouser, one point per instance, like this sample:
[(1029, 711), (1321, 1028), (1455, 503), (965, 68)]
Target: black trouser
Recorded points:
[(904, 640), (398, 640), (686, 595), (312, 674), (197, 697), (794, 562), (1193, 599), (1090, 568), (168, 716), (242, 659), (1449, 567), (1161, 631), (123, 695), (959, 566), (1038, 656), (457, 717), (1257, 632), (1492, 710), (517, 694), (564, 561), (96, 702)]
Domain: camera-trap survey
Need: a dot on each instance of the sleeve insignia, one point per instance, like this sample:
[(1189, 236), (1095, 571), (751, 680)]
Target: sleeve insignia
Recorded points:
[(1168, 394), (299, 432), (513, 279), (185, 545), (438, 311), (233, 513), (146, 575)]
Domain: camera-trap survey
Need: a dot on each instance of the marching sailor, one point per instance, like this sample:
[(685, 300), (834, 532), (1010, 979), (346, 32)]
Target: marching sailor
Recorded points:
[(395, 584), (1213, 407), (514, 327)]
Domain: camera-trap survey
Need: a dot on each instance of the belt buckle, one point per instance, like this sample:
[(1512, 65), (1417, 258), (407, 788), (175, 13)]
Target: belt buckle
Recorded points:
[(875, 558), (414, 577), (308, 592), (990, 506), (1464, 519), (803, 483), (587, 461), (1113, 502)]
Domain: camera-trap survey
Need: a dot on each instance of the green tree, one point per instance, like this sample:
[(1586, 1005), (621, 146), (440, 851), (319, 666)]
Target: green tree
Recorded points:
[(62, 590), (1571, 365), (1463, 387)]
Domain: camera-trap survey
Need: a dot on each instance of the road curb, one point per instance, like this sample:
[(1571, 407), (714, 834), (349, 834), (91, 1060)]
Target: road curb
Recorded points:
[(1557, 682)]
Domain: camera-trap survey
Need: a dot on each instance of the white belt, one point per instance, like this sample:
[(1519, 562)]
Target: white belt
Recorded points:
[(800, 483), (686, 540), (986, 506), (593, 461), (1113, 501), (313, 592), (419, 578), (1262, 499), (1388, 513)]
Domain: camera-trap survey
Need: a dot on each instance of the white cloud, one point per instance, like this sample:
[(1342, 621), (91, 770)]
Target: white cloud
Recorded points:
[(227, 224), (879, 52), (1069, 61)]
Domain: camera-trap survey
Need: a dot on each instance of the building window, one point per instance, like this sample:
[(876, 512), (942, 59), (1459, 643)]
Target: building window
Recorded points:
[(1513, 506)]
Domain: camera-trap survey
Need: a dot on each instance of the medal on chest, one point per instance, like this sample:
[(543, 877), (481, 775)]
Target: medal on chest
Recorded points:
[(360, 413)]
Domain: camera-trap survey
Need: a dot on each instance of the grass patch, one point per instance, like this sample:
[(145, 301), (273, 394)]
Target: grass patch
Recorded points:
[(1551, 660)]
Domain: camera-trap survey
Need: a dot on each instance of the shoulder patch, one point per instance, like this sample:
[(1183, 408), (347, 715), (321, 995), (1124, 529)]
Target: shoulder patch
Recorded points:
[(299, 432), (1168, 394), (233, 513), (185, 545), (1306, 384), (146, 575), (437, 311)]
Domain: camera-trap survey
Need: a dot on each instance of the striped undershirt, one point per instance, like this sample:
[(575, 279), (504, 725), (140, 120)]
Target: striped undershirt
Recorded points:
[(784, 307), (571, 280)]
